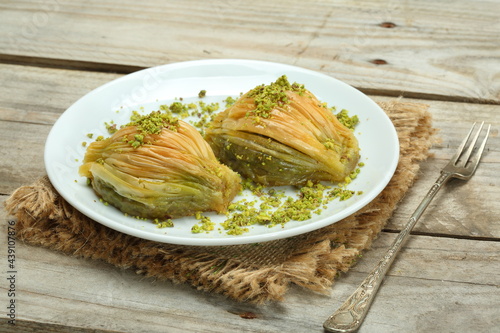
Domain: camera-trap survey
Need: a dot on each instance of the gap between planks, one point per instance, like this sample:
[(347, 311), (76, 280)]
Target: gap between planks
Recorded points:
[(441, 235), (33, 326), (101, 67)]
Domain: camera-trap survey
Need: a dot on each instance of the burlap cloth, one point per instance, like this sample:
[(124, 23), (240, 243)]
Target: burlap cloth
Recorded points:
[(252, 273)]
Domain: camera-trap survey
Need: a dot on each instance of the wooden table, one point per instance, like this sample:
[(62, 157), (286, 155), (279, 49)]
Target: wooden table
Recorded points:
[(447, 55)]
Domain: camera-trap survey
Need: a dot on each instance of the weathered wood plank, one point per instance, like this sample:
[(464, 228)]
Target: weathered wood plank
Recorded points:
[(469, 208), (23, 146), (25, 326), (433, 49), (59, 289), (40, 95), (31, 100)]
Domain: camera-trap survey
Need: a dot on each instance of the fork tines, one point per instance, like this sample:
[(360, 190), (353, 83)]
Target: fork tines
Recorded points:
[(464, 157)]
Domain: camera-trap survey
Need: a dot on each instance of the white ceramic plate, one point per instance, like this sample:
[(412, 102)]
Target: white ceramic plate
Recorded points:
[(220, 78)]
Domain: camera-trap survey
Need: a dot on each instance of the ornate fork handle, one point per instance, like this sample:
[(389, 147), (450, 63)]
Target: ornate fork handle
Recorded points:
[(350, 315)]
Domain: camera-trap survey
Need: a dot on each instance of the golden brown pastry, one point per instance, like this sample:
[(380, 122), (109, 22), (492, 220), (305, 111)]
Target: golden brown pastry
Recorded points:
[(281, 134), (159, 167)]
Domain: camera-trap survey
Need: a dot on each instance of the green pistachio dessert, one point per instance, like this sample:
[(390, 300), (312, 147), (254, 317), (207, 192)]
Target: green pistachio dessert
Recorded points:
[(159, 167), (281, 134)]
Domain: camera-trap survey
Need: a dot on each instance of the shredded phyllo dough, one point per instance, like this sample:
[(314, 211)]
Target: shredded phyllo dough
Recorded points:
[(159, 167), (281, 134)]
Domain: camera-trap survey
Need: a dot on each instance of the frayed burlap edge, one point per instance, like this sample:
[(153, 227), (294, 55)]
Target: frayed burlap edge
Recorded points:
[(252, 273)]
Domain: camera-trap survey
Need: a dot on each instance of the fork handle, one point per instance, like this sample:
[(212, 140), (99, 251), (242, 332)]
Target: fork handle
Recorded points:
[(349, 317)]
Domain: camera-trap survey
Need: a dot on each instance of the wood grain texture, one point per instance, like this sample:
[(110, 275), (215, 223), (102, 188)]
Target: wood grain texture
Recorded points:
[(430, 49), (24, 146), (25, 326), (57, 289)]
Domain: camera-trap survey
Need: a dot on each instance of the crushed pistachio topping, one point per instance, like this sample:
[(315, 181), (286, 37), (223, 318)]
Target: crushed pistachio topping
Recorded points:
[(202, 113), (163, 224), (111, 127), (274, 208), (346, 120), (209, 108), (202, 93), (152, 123), (205, 224), (341, 193), (333, 145), (229, 101), (268, 97), (178, 108)]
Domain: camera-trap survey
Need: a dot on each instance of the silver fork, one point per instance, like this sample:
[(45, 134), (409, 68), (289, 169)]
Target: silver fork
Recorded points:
[(349, 317)]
